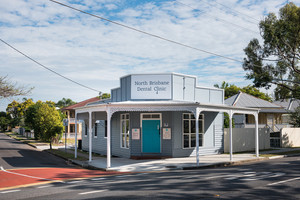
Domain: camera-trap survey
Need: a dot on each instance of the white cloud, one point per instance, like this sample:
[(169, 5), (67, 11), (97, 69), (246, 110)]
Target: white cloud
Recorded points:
[(96, 53)]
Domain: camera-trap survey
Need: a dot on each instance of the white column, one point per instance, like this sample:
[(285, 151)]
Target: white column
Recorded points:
[(197, 135), (90, 136), (76, 135), (230, 134), (256, 135), (108, 147)]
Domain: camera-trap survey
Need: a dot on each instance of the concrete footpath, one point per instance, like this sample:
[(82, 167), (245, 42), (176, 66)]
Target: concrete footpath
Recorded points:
[(147, 165)]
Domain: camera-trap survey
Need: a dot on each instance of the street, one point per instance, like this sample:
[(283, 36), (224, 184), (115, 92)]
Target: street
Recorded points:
[(270, 179)]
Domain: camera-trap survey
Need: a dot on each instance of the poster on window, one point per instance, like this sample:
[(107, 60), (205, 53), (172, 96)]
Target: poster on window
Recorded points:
[(166, 133), (135, 134)]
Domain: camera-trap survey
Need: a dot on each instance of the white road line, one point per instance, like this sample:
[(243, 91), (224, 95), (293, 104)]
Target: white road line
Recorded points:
[(44, 186), (91, 192), (221, 176), (98, 179), (28, 175), (279, 182), (9, 191), (75, 182)]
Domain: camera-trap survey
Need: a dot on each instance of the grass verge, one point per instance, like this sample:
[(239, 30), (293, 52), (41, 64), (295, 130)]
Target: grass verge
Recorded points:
[(65, 155)]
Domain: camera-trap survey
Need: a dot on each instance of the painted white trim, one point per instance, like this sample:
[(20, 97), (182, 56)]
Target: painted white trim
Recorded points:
[(121, 132), (182, 132)]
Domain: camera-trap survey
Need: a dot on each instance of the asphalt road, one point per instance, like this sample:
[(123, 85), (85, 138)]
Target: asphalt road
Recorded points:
[(15, 154), (271, 179)]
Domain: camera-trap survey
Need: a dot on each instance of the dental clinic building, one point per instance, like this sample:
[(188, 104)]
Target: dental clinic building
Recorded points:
[(157, 115)]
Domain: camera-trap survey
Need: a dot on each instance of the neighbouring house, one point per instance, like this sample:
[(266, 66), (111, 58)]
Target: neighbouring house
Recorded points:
[(270, 114), (158, 115), (273, 116), (289, 105), (69, 111)]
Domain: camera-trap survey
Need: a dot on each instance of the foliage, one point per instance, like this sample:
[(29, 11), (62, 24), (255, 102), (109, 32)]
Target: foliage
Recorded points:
[(295, 117), (10, 89), (226, 121), (17, 111), (45, 120), (105, 96), (231, 89), (276, 61), (4, 121), (65, 102)]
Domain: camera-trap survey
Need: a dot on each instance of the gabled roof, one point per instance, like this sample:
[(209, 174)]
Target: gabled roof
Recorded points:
[(289, 104), (246, 100), (81, 104)]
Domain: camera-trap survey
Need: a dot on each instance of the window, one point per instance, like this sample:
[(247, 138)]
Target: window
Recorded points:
[(125, 130), (103, 124), (95, 134), (189, 130), (86, 129)]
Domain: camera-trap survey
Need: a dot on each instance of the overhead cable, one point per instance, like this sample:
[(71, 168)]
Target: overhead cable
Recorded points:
[(147, 33), (47, 68)]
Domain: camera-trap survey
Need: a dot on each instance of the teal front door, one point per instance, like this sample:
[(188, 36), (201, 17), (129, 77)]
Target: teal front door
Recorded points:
[(151, 136)]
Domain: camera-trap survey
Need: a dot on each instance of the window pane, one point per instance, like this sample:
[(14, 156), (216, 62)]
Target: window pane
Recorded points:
[(186, 126), (123, 140), (127, 126), (186, 141), (155, 116), (147, 116), (127, 140), (193, 140), (200, 139), (192, 116), (193, 126), (123, 127), (186, 116), (127, 116), (201, 127)]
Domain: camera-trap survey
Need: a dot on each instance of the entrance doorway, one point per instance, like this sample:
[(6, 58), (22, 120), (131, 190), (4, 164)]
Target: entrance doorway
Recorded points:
[(151, 139)]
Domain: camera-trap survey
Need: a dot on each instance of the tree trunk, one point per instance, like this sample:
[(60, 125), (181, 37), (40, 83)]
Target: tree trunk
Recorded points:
[(50, 145)]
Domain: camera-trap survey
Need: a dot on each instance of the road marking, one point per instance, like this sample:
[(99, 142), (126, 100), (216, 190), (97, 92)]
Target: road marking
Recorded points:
[(279, 182), (43, 186), (213, 177), (91, 192), (98, 179), (9, 191), (74, 182), (28, 175)]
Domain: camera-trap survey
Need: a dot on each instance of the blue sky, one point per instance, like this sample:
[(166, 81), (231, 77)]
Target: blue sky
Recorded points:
[(96, 53)]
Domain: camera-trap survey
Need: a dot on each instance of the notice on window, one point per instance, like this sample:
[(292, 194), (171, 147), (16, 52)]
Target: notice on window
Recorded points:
[(135, 134), (166, 133)]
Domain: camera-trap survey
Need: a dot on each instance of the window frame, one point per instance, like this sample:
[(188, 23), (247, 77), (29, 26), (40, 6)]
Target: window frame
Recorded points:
[(126, 134), (190, 133)]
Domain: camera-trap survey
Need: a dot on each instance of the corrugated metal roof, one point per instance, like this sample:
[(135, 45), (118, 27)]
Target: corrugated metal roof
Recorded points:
[(289, 104), (80, 104), (245, 100)]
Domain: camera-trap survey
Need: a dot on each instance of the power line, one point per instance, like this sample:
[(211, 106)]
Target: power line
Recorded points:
[(233, 10), (48, 67), (146, 33), (216, 18)]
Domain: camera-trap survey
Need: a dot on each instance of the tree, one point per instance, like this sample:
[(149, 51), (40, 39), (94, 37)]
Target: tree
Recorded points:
[(10, 89), (4, 121), (232, 89), (64, 103), (17, 110), (45, 120), (276, 61), (104, 96), (295, 117)]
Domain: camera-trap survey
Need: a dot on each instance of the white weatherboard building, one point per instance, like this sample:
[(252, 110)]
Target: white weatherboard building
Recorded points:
[(157, 115)]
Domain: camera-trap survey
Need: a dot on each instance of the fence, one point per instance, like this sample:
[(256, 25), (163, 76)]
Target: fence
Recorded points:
[(243, 139)]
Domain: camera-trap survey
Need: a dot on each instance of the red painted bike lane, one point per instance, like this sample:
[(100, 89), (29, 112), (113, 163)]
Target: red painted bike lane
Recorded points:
[(26, 177)]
